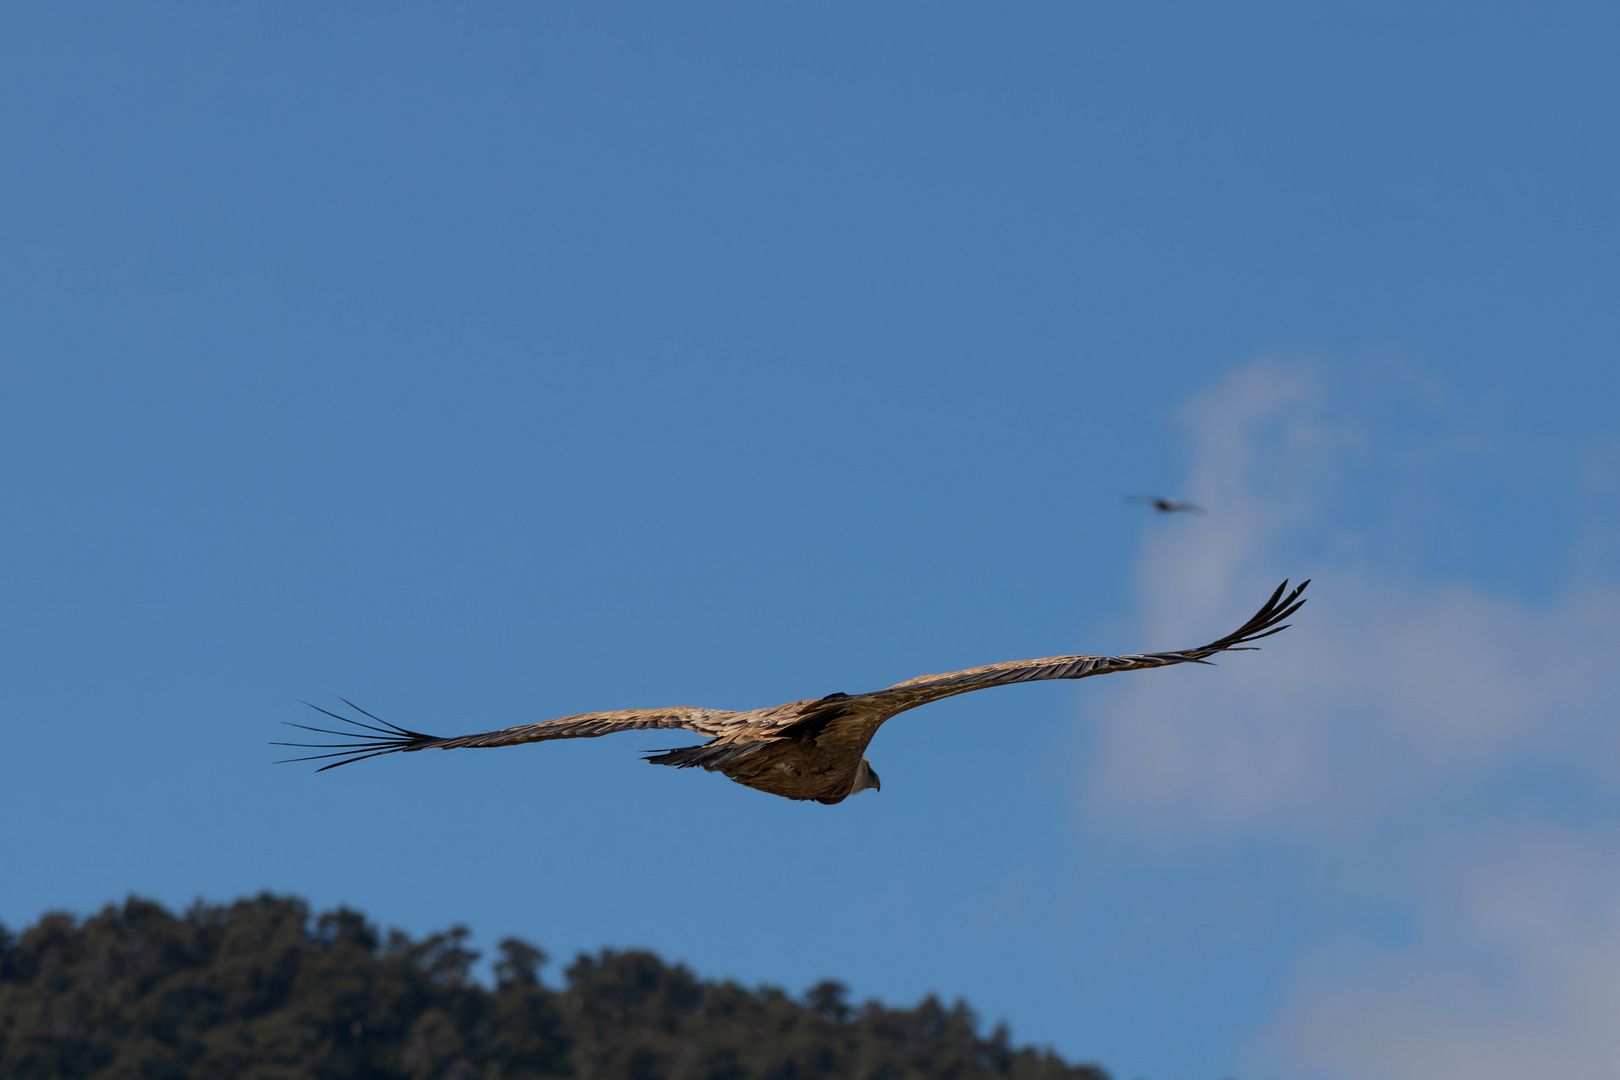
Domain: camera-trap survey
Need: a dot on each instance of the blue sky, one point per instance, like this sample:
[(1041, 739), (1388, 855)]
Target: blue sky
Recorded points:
[(493, 362)]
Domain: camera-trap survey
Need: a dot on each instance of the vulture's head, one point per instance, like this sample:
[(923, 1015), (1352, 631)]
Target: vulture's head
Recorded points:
[(866, 778)]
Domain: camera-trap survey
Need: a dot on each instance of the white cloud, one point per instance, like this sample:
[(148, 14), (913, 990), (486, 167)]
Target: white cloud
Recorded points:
[(1514, 973), (1425, 736)]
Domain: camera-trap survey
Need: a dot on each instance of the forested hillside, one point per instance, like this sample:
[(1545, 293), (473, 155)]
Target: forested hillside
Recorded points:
[(258, 989)]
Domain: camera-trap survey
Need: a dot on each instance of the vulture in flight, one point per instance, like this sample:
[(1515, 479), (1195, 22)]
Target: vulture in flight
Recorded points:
[(802, 750), (1166, 506)]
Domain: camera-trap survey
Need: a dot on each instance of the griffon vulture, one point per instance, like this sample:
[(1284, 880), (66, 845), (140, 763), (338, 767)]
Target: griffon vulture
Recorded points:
[(802, 750), (1166, 506)]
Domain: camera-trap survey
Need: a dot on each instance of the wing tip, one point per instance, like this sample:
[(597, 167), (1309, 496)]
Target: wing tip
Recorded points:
[(390, 738)]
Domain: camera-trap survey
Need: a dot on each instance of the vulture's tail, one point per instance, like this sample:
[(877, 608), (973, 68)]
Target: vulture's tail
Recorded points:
[(709, 755)]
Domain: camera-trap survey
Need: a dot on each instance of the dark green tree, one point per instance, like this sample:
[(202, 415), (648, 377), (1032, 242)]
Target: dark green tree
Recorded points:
[(260, 990)]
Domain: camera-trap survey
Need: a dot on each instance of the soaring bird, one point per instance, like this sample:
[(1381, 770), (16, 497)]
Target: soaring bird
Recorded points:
[(813, 749), (1166, 506)]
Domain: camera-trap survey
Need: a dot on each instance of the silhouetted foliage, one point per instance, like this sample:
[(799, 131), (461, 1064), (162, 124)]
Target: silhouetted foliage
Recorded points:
[(258, 990)]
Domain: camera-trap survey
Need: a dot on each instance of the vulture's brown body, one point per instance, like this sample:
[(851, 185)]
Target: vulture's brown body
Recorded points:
[(812, 749)]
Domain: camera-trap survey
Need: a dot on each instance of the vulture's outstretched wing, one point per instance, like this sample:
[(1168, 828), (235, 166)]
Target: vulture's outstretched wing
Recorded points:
[(925, 688), (804, 720), (1166, 506), (392, 739)]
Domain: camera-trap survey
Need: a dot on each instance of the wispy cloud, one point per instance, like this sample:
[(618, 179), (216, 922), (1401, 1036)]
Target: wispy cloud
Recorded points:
[(1514, 972), (1457, 748)]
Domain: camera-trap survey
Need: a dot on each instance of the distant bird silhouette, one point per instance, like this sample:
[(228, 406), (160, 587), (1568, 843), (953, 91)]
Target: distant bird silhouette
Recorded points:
[(1166, 506), (812, 749)]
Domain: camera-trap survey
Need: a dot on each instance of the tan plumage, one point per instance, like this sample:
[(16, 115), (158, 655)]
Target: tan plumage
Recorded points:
[(809, 749)]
